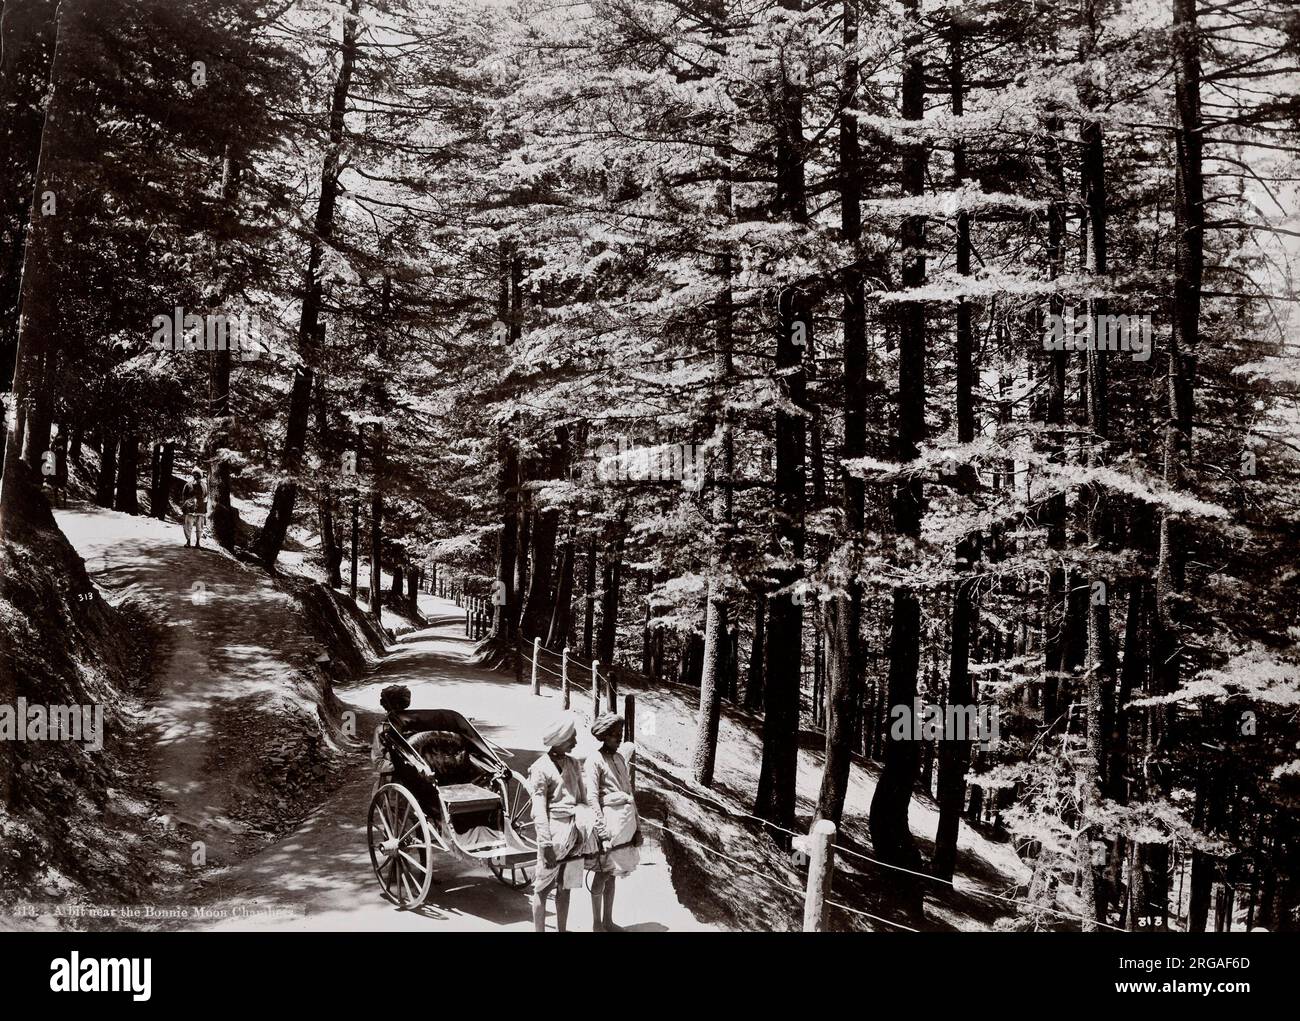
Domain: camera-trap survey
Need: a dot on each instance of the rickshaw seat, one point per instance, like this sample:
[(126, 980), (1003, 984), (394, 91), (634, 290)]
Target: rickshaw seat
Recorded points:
[(467, 797)]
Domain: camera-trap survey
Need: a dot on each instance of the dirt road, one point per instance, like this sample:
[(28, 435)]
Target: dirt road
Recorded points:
[(229, 634), (319, 877)]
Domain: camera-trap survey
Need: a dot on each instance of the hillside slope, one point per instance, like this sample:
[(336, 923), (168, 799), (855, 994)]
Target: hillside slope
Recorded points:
[(77, 817)]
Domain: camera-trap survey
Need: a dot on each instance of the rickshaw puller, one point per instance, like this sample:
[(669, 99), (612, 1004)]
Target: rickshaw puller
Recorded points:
[(567, 829)]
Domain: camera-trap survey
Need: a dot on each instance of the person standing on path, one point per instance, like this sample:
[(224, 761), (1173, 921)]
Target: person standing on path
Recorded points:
[(608, 782), (567, 829), (194, 507)]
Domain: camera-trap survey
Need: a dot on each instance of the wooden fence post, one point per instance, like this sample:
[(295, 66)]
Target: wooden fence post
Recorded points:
[(595, 691), (519, 662), (564, 677), (537, 648), (821, 866)]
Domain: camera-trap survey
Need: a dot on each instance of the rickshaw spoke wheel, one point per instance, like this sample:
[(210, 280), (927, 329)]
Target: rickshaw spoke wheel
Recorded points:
[(401, 846)]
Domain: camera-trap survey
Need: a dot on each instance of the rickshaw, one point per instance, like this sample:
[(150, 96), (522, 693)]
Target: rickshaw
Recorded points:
[(483, 814)]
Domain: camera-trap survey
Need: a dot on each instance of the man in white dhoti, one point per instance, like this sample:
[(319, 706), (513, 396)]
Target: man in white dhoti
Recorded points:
[(608, 782), (566, 826)]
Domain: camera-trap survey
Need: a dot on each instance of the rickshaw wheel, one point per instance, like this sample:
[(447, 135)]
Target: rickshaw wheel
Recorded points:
[(518, 807), (401, 846)]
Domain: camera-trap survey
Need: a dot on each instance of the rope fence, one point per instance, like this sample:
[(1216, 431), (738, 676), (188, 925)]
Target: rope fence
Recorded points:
[(598, 680), (951, 883)]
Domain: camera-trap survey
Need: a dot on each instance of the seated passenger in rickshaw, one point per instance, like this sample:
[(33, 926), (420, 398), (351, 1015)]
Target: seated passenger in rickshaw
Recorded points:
[(395, 700), (445, 753), (567, 828)]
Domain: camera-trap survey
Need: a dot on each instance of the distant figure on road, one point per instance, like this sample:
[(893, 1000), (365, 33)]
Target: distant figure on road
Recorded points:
[(194, 507), (566, 825), (608, 782)]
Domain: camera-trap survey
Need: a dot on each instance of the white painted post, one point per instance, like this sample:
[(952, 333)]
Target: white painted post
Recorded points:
[(537, 644), (564, 677), (595, 690), (821, 865)]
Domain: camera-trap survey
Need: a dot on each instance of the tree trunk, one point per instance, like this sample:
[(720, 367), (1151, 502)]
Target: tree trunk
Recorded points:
[(1202, 887), (1100, 670), (224, 522), (610, 584), (890, 835), (356, 535), (26, 39), (155, 486), (954, 754), (590, 589), (61, 457), (539, 604), (523, 551), (331, 552), (280, 516), (775, 796), (717, 603), (40, 415), (166, 467), (558, 634), (844, 608), (754, 678), (1056, 615), (128, 471), (28, 29), (1175, 542), (107, 471), (377, 530), (503, 619)]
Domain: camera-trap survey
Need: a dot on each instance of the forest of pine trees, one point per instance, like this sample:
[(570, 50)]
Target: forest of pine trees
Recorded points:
[(713, 340)]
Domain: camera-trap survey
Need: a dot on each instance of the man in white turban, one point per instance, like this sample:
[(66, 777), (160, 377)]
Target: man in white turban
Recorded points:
[(567, 829), (608, 783)]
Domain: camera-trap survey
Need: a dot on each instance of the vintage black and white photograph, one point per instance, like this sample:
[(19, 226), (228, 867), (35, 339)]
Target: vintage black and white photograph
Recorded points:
[(767, 466)]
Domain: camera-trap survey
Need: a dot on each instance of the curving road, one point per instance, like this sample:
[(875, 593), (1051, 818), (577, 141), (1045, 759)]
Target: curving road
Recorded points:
[(319, 876)]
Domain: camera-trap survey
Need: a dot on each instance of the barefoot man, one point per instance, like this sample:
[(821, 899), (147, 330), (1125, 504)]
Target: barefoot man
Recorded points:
[(566, 825), (608, 783)]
